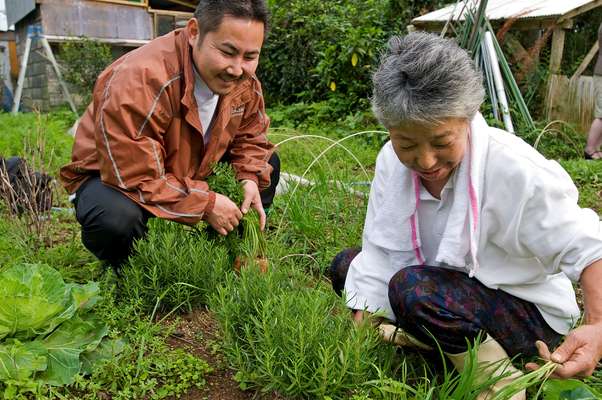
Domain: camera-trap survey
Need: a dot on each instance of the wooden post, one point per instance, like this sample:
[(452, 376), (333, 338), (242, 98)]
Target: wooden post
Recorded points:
[(586, 61), (21, 80), (557, 50), (34, 32), (57, 71)]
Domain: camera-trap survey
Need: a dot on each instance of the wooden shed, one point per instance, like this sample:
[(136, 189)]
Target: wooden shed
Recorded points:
[(568, 98), (124, 24)]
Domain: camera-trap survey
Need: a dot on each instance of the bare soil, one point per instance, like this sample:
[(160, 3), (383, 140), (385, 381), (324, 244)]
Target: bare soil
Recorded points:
[(198, 332)]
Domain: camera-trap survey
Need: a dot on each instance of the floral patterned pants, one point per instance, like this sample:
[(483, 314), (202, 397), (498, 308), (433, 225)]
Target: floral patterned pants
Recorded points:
[(447, 305)]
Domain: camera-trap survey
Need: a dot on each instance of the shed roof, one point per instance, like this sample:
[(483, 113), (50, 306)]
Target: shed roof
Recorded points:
[(523, 9)]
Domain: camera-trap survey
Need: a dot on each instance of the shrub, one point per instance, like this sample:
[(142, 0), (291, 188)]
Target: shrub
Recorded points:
[(84, 60), (175, 266), (319, 50)]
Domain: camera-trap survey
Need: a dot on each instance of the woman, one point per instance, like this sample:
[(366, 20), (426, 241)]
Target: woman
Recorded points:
[(469, 230)]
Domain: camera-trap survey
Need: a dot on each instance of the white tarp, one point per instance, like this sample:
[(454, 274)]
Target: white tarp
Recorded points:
[(504, 9)]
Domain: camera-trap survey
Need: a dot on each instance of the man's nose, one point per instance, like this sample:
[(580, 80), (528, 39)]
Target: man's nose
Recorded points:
[(235, 68)]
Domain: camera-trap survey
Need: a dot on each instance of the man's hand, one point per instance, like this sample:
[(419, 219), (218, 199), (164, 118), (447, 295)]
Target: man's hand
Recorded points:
[(578, 355), (225, 215), (253, 199)]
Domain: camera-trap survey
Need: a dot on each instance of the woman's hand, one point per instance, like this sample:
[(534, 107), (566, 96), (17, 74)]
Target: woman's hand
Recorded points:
[(581, 350), (359, 315), (578, 355)]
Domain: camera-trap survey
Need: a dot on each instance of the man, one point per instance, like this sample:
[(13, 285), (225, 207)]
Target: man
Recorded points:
[(161, 116), (594, 138)]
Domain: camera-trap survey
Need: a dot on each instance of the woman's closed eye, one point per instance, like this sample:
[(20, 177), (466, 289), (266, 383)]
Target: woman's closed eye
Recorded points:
[(442, 145)]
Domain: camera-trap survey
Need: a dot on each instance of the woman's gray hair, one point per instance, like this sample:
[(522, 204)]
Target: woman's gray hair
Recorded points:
[(424, 78)]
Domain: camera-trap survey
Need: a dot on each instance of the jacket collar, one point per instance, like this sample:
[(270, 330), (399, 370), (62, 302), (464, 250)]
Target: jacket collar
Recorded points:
[(185, 53)]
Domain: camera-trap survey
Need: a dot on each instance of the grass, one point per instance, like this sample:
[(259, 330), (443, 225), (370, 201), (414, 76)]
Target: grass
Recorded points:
[(283, 330), (24, 132)]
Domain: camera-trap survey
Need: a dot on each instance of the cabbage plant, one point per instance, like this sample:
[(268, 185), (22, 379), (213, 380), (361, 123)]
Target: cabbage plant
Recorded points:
[(47, 330)]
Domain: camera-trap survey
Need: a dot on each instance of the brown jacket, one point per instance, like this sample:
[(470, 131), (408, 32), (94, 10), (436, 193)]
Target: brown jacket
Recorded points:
[(142, 133)]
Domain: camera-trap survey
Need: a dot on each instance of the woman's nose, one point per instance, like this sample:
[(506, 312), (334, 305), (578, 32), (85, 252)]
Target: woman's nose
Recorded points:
[(426, 160)]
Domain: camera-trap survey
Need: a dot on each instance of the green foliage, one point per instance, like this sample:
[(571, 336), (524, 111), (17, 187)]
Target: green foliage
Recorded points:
[(84, 60), (331, 112), (47, 333), (570, 389), (178, 266), (312, 224), (285, 336), (556, 140), (317, 49), (174, 266), (223, 181), (283, 331), (37, 300), (164, 373), (22, 132), (147, 367), (587, 176)]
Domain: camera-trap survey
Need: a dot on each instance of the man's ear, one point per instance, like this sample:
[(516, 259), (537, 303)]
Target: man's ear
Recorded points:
[(192, 27)]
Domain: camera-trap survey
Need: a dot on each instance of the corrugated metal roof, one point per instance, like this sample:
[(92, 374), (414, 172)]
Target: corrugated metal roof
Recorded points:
[(504, 9)]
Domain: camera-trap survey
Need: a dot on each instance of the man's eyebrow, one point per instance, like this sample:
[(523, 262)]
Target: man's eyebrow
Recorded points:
[(230, 47), (236, 50)]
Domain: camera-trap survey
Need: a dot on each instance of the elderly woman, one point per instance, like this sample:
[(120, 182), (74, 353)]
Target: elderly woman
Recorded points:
[(469, 230)]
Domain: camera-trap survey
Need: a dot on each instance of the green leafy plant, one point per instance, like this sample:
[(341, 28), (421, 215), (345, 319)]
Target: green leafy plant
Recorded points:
[(247, 240), (287, 336), (48, 333), (147, 367), (569, 389), (176, 265)]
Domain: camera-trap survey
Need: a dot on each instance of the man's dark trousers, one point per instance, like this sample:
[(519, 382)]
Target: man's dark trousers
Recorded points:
[(111, 222)]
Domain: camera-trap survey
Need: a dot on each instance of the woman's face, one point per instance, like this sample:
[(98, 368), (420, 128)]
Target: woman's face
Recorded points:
[(432, 151)]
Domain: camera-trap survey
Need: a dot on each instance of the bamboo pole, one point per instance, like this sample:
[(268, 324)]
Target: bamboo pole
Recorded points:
[(499, 82)]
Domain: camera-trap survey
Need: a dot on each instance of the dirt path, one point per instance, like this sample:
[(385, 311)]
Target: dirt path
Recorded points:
[(197, 332)]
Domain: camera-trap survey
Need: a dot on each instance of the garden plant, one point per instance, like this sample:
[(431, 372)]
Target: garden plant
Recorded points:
[(193, 314)]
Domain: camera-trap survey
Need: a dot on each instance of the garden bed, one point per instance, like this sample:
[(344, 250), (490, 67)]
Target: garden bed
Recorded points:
[(278, 334)]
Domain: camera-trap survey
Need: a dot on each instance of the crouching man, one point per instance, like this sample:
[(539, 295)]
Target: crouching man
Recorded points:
[(161, 116)]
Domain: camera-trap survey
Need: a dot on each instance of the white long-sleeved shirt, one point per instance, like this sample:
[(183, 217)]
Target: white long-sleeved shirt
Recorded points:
[(534, 238)]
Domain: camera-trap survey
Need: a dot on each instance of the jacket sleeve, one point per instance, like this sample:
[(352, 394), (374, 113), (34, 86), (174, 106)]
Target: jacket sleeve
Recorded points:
[(250, 150), (132, 114)]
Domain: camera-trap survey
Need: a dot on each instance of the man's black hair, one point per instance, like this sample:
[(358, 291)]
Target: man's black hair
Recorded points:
[(210, 13)]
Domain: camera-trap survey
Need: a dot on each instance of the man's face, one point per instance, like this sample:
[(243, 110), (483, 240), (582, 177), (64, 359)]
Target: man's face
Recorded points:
[(228, 54)]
